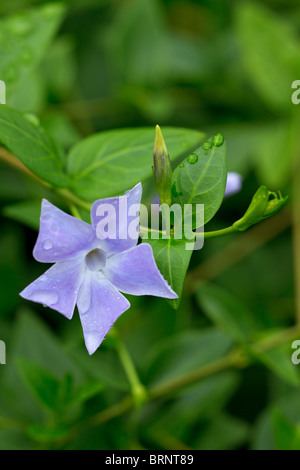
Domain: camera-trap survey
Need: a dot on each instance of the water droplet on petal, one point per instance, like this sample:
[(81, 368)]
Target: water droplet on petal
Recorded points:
[(218, 139), (45, 297), (47, 216), (54, 228), (207, 145), (43, 278), (92, 340), (193, 158), (47, 245)]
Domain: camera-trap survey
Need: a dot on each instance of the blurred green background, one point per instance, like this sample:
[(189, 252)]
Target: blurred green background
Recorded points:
[(211, 65)]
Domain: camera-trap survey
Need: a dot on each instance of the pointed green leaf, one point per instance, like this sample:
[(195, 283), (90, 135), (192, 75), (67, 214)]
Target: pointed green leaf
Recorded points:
[(172, 259), (30, 143), (227, 312), (201, 178), (108, 163), (23, 42)]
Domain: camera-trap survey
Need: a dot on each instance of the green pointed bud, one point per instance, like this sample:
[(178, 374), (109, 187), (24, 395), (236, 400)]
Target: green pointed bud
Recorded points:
[(261, 207), (162, 170)]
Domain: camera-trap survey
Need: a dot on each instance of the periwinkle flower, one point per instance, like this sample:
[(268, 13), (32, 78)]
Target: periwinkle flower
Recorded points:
[(233, 183), (92, 268)]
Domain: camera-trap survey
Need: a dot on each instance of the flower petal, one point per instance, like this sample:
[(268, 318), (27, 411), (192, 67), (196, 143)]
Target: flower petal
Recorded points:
[(233, 184), (58, 287), (99, 305), (115, 223), (61, 236), (135, 272)]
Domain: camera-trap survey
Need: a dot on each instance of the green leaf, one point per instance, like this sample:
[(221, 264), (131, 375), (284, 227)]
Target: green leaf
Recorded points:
[(43, 385), (224, 432), (286, 434), (184, 353), (26, 140), (278, 360), (26, 212), (42, 433), (270, 52), (265, 436), (84, 392), (196, 404), (201, 179), (23, 42), (108, 163), (227, 312), (172, 259), (57, 395)]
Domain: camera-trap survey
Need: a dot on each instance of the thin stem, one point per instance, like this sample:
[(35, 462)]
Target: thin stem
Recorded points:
[(73, 199), (218, 233), (139, 393), (75, 211), (237, 359)]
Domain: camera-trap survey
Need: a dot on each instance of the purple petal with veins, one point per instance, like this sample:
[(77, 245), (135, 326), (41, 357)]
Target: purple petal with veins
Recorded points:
[(61, 236), (123, 212), (135, 272), (91, 269)]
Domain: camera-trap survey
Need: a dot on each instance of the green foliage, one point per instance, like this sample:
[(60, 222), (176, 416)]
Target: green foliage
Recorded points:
[(262, 35), (25, 38), (22, 135), (201, 178), (173, 260), (86, 83), (110, 162)]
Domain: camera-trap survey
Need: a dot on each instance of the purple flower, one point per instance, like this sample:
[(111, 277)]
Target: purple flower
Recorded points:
[(90, 270), (233, 184)]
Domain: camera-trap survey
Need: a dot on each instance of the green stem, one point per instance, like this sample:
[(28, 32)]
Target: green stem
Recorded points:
[(73, 199), (238, 359), (139, 392), (218, 233)]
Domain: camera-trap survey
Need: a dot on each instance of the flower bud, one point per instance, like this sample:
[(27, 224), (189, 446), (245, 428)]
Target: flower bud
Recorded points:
[(260, 208), (162, 170)]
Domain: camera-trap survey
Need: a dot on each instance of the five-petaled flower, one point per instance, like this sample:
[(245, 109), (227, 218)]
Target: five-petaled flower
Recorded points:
[(92, 269)]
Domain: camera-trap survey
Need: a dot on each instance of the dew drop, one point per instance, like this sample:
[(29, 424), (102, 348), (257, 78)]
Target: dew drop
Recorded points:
[(218, 139), (47, 216), (207, 145), (45, 297), (181, 165), (43, 278), (193, 158), (54, 228), (47, 245)]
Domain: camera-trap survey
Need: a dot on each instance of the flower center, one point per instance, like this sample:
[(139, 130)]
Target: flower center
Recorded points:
[(95, 260)]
